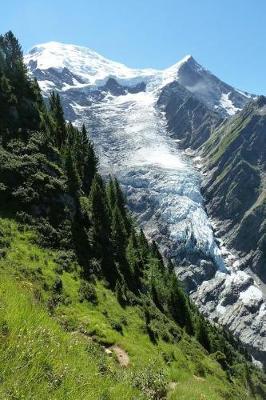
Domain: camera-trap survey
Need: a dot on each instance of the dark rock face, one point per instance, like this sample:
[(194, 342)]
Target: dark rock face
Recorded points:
[(193, 274), (207, 88), (113, 87), (58, 77), (235, 188), (189, 120)]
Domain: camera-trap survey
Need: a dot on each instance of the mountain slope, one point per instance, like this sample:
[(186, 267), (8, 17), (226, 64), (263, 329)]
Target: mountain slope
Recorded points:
[(66, 353), (215, 94), (235, 188), (189, 120)]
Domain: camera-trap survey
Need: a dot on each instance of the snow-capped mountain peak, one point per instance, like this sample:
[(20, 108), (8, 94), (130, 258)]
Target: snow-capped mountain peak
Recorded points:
[(65, 66), (89, 66), (85, 61)]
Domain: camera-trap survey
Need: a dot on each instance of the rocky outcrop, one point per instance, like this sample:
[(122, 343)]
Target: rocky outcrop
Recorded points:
[(210, 90), (189, 120), (235, 302)]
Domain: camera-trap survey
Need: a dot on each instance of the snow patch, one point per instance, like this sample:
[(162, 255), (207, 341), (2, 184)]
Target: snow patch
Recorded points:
[(252, 294), (227, 104), (46, 86)]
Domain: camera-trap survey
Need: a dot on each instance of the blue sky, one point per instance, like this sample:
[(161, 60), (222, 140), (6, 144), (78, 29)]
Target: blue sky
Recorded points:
[(227, 37)]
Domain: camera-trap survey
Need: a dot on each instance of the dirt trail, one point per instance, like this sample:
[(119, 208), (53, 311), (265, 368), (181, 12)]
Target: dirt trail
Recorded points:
[(199, 378), (121, 355)]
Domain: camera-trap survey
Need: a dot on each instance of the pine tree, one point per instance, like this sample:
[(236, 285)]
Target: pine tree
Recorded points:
[(2, 58), (89, 161), (100, 232), (73, 179), (203, 334), (13, 56), (118, 235), (57, 114), (170, 267), (135, 264), (6, 100), (179, 306), (111, 193), (21, 106), (156, 297), (120, 201), (121, 291), (157, 255), (143, 246)]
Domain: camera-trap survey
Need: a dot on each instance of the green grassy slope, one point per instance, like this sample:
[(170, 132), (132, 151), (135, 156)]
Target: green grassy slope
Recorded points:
[(52, 346)]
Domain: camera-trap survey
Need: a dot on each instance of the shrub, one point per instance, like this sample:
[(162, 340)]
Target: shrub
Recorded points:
[(152, 382), (58, 285), (117, 326), (65, 260), (87, 292)]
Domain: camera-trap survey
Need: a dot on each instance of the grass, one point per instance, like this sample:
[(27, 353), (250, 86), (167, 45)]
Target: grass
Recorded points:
[(52, 346), (223, 137)]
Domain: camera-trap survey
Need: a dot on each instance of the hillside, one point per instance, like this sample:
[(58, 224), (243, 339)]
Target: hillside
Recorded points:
[(235, 187), (89, 309), (59, 340)]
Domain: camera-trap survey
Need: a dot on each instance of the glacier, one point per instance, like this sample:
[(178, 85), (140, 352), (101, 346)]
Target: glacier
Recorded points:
[(161, 184)]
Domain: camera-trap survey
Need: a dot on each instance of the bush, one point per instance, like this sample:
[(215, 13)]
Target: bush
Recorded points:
[(58, 285), (152, 382), (121, 293), (117, 326), (87, 292), (65, 260), (221, 359)]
